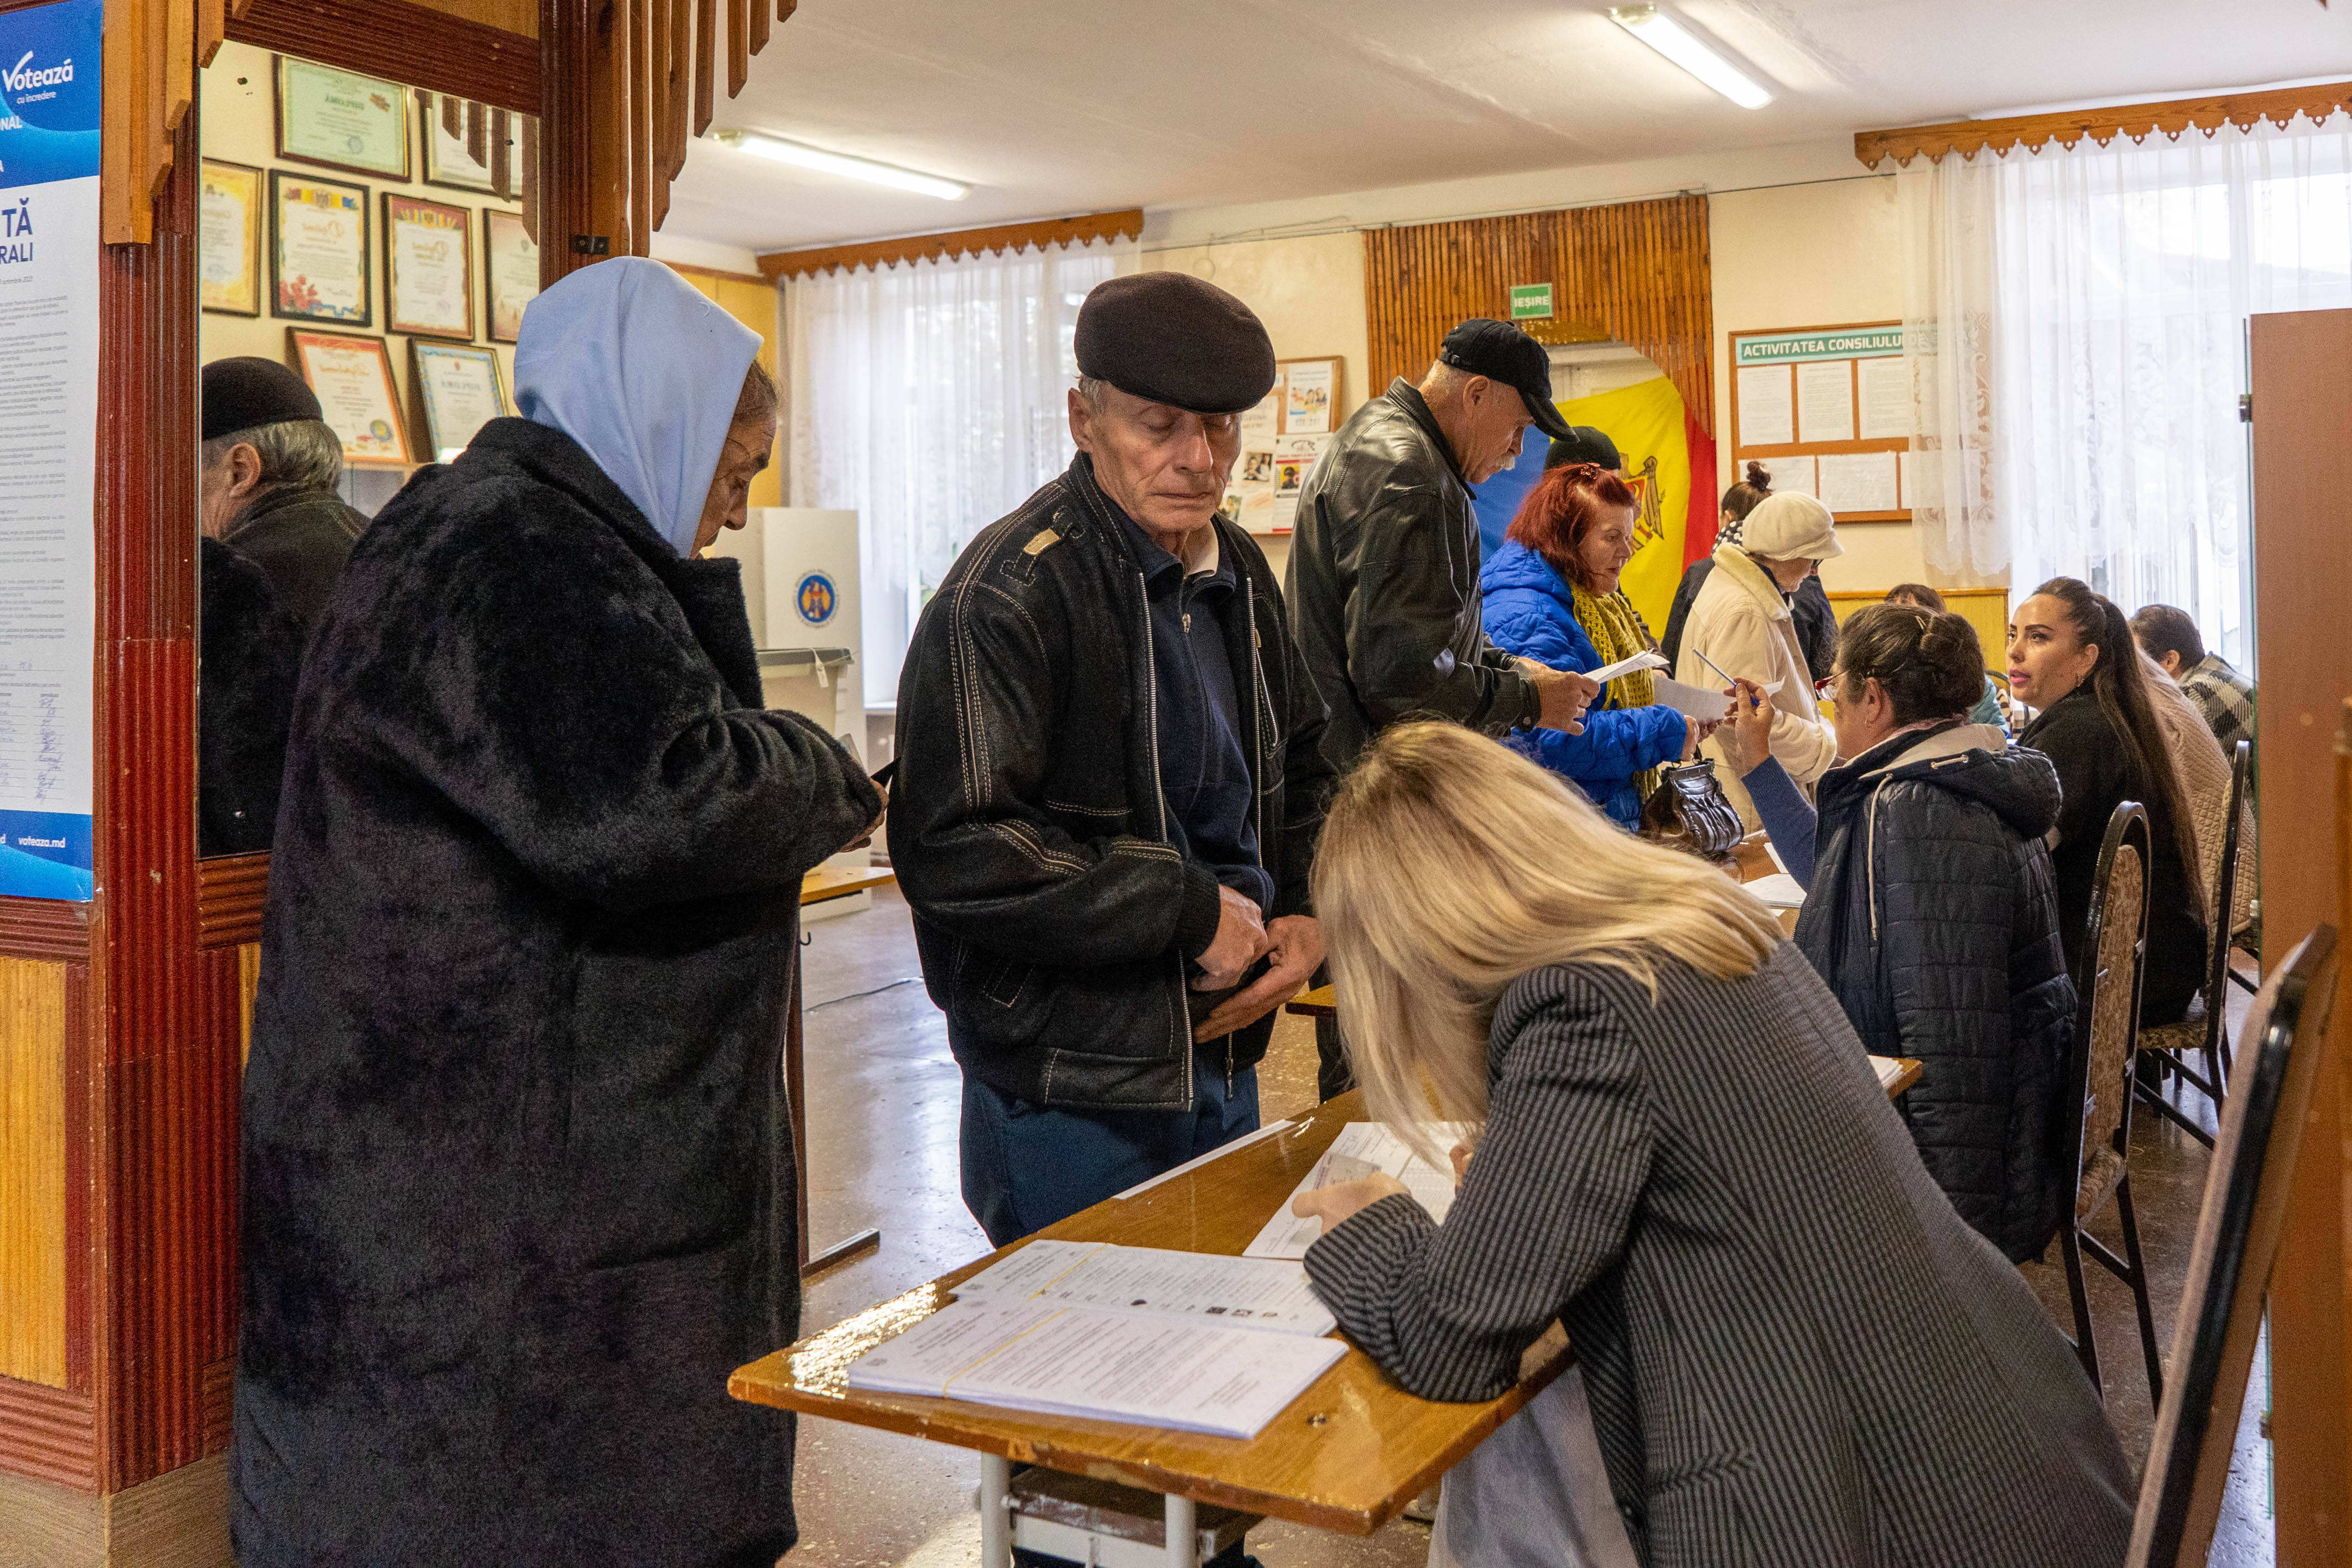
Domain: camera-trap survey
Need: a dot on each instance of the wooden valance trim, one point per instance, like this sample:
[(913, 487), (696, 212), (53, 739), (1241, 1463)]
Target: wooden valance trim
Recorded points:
[(779, 265), (2035, 132)]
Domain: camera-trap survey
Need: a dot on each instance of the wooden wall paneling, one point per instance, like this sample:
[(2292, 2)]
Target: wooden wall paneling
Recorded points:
[(50, 1434), (33, 1089), (706, 60), (416, 46), (2303, 557), (760, 25), (641, 105), (738, 44)]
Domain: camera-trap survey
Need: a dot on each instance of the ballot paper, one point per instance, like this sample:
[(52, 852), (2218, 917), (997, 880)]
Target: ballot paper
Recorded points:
[(1361, 1149), (1698, 701), (1257, 1293), (1641, 661), (1106, 1363), (1887, 1068), (1779, 891)]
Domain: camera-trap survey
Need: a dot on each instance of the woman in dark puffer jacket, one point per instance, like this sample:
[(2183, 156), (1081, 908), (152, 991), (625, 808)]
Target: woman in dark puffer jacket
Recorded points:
[(1931, 912)]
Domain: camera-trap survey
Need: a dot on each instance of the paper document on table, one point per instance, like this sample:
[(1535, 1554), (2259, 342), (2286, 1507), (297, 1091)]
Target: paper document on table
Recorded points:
[(1257, 1293), (1779, 891), (1698, 701), (1361, 1149), (1887, 1068), (1107, 1364), (1641, 661)]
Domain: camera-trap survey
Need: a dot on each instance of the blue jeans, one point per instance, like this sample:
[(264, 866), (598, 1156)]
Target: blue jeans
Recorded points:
[(1025, 1166)]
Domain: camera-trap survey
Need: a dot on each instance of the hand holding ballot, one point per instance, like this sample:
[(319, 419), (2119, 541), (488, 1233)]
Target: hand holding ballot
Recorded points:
[(1343, 1200)]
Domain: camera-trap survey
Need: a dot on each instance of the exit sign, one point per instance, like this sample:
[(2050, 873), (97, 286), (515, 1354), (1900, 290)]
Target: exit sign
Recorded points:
[(1530, 301)]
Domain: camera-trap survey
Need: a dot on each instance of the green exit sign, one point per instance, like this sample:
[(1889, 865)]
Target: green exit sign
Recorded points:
[(1530, 301)]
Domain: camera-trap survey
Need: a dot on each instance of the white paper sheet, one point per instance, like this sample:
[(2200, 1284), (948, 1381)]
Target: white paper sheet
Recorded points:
[(1825, 400), (1905, 496), (1361, 1149), (1779, 891), (1884, 388), (1112, 1365), (1859, 482), (1642, 661), (1887, 1068), (1258, 1293), (1792, 475), (1263, 423), (1698, 701), (1767, 414)]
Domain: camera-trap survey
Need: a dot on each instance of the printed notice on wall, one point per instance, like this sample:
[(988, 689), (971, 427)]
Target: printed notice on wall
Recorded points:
[(49, 443)]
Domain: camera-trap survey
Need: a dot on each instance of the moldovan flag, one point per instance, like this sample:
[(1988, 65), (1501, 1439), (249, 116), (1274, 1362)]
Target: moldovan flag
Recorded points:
[(1663, 447)]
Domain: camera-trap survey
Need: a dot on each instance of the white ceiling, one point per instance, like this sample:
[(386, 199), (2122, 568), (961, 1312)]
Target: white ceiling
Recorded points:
[(1048, 107)]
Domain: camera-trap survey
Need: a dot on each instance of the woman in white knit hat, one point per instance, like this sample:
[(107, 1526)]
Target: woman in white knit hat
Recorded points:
[(1740, 629)]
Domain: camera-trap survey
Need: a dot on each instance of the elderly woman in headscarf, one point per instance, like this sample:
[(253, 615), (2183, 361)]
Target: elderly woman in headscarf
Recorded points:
[(517, 1169)]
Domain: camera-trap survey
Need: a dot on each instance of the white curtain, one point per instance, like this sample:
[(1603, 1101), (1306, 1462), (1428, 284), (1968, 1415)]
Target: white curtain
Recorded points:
[(929, 399), (2076, 322)]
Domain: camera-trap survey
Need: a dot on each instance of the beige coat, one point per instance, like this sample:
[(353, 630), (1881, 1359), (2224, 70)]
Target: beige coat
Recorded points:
[(1741, 621), (2204, 774)]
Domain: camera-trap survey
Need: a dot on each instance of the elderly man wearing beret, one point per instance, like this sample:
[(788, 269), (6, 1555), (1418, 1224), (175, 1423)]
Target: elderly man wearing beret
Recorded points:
[(1110, 781), (267, 478)]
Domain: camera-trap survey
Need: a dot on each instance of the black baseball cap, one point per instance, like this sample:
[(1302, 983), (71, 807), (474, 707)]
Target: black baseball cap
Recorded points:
[(1502, 352)]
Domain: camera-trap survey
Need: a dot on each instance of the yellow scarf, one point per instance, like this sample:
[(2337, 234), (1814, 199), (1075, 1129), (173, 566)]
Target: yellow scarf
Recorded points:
[(1617, 632)]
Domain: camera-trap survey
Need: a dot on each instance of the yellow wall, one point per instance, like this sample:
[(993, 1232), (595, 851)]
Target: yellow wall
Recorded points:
[(1812, 255), (752, 301), (236, 126), (33, 1171)]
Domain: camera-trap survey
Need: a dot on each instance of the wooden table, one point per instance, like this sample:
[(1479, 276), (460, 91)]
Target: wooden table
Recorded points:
[(819, 886), (1347, 1454)]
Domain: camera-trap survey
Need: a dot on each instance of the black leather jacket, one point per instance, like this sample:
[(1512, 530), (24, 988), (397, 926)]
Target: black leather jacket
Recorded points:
[(1383, 584), (1027, 826)]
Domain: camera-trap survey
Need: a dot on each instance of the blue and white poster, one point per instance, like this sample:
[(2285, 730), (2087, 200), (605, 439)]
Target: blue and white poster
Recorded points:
[(49, 443)]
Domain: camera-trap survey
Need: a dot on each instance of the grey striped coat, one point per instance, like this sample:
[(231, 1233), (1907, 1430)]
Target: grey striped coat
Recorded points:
[(1797, 1351)]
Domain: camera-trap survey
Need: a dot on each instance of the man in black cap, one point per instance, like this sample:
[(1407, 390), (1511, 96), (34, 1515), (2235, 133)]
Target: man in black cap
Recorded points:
[(1110, 781), (1383, 579), (269, 467)]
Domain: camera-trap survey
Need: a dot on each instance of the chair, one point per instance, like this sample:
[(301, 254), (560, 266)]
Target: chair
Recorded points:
[(2099, 1072), (2230, 1265), (2206, 1026)]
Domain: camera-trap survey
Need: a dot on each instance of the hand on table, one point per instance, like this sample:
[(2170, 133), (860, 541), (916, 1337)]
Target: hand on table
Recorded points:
[(1342, 1199), (1295, 942)]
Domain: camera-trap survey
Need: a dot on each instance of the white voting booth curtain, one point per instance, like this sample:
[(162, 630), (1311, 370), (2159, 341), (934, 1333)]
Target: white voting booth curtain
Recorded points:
[(929, 398), (2075, 321)]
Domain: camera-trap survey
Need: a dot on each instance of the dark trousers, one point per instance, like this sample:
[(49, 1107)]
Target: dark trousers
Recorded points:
[(1025, 1166)]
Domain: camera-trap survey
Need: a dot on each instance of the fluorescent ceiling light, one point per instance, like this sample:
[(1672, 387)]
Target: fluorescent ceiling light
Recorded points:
[(1678, 44), (802, 156)]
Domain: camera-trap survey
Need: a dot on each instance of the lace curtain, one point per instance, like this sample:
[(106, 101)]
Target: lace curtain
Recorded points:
[(2076, 321), (929, 399)]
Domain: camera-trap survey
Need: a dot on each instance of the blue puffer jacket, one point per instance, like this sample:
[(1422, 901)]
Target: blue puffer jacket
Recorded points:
[(1530, 611)]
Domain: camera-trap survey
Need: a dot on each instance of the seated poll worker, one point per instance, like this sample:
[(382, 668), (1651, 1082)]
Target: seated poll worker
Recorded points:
[(265, 480), (1931, 909), (1110, 781), (518, 1175), (1797, 1353)]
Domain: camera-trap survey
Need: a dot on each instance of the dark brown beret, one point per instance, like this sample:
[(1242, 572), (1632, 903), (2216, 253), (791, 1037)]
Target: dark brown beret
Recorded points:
[(241, 393), (1168, 337)]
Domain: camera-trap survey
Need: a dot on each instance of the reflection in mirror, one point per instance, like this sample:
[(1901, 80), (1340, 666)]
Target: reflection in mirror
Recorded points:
[(366, 249)]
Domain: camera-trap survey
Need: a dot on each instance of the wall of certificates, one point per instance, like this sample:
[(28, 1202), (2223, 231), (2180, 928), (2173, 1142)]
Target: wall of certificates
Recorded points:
[(1827, 410), (349, 231), (1282, 439)]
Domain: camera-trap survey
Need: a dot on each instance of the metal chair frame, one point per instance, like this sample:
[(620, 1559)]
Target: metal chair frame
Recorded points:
[(2221, 942), (2128, 826)]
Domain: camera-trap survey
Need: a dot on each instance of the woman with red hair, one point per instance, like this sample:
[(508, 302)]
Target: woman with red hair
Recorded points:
[(1550, 594)]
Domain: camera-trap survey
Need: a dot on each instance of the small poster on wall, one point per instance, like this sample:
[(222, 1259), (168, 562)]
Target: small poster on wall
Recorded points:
[(428, 267), (511, 263), (1307, 396), (352, 377), (228, 238), (319, 249), (341, 120)]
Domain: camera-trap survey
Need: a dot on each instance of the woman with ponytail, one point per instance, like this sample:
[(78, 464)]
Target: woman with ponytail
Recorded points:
[(2071, 654), (1551, 595)]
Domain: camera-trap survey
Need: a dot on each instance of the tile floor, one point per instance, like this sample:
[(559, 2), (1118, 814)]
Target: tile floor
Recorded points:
[(883, 1101)]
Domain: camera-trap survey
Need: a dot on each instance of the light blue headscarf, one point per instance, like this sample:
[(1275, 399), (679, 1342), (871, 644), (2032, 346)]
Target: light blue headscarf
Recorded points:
[(631, 361)]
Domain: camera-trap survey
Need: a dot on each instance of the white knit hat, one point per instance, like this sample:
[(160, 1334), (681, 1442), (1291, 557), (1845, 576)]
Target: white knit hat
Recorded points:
[(1790, 525)]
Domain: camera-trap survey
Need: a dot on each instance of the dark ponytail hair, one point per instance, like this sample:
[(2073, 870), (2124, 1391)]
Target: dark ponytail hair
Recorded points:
[(1929, 663), (1745, 497), (2121, 687)]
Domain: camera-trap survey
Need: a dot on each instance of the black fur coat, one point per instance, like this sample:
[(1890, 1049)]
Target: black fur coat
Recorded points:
[(517, 1169)]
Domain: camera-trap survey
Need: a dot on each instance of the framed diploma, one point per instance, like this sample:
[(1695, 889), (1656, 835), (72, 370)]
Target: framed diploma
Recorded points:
[(352, 377), (510, 265), (428, 267), (228, 238), (317, 249), (341, 120), (449, 157), (460, 390)]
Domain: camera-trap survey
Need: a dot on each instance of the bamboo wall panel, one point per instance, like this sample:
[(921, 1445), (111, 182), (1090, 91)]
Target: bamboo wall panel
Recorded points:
[(1638, 272), (33, 1171)]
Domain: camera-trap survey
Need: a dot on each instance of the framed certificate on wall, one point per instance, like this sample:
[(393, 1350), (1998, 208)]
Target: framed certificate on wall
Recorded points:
[(449, 157), (317, 249), (341, 120), (428, 267), (510, 267), (352, 377), (228, 238), (459, 389)]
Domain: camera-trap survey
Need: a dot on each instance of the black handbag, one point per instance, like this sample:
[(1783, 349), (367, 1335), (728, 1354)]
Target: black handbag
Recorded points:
[(1688, 810)]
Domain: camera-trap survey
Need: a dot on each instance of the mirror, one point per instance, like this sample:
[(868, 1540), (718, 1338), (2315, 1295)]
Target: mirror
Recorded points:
[(365, 248)]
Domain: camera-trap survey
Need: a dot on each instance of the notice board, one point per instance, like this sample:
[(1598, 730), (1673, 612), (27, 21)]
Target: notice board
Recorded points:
[(1827, 412)]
